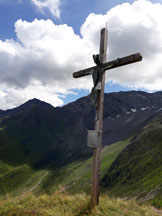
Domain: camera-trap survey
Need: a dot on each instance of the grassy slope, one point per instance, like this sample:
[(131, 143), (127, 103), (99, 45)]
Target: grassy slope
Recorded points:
[(16, 174), (76, 176), (18, 180), (60, 204), (19, 154), (137, 171)]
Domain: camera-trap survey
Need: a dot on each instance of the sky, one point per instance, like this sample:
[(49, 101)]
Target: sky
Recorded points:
[(42, 42)]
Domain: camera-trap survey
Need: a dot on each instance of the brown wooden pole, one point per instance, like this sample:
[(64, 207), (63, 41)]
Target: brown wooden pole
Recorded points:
[(99, 125), (110, 65)]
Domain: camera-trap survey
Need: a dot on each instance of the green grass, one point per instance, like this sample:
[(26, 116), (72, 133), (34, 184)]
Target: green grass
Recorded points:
[(17, 180), (73, 177), (137, 171), (76, 176), (110, 153), (4, 167), (12, 180), (61, 204)]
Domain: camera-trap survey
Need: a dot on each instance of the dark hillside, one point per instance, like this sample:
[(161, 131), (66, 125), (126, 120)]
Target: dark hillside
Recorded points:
[(137, 171), (37, 135)]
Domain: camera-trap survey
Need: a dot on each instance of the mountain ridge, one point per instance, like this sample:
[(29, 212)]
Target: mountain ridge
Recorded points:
[(124, 114), (38, 136)]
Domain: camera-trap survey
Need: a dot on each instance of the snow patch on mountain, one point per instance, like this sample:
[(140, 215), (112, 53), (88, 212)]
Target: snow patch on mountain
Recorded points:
[(134, 110), (144, 108)]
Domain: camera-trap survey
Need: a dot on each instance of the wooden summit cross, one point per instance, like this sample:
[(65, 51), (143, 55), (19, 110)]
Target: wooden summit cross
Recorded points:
[(97, 97)]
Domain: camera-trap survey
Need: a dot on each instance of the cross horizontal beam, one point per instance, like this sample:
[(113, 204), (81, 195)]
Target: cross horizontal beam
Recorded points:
[(110, 65)]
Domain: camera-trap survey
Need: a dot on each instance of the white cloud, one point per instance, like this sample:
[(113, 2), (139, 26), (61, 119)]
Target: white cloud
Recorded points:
[(52, 5), (13, 97), (46, 54), (132, 28), (41, 61)]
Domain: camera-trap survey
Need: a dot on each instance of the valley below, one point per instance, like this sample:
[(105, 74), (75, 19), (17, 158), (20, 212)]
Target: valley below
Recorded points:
[(45, 161)]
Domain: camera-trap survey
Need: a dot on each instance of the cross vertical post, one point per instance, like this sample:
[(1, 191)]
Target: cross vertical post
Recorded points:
[(97, 97), (99, 123)]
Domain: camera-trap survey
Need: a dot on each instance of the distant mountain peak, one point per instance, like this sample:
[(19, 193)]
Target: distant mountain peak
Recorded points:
[(26, 106), (36, 101)]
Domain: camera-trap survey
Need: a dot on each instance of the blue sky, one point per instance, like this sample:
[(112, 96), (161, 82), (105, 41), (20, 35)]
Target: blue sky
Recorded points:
[(42, 42), (73, 13)]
